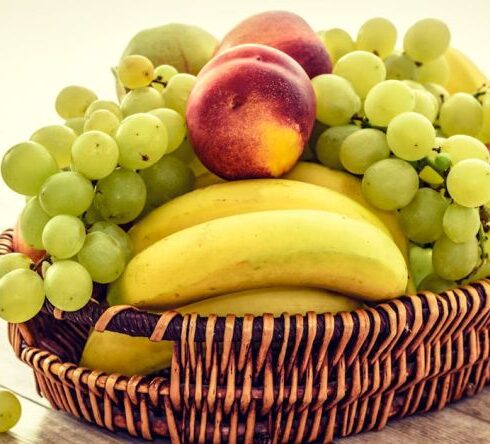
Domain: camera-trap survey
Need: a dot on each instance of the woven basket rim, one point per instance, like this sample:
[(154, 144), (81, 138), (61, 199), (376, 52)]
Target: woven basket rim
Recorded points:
[(168, 324), (289, 377)]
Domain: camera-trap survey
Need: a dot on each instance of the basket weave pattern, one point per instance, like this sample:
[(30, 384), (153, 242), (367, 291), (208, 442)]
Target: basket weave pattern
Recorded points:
[(264, 379)]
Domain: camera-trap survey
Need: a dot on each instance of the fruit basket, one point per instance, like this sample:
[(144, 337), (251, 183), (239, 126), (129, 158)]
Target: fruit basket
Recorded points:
[(265, 379), (223, 255)]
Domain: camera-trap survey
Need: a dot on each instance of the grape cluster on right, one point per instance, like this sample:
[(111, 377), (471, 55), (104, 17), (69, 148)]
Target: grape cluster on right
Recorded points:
[(387, 116)]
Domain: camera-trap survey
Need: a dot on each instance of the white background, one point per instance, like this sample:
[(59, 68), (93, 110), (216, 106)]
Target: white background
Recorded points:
[(48, 44)]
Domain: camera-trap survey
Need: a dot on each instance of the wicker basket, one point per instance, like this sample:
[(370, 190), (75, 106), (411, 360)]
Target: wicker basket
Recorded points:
[(264, 379)]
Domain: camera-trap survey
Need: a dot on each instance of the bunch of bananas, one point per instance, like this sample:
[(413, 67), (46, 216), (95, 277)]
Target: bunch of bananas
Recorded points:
[(274, 245)]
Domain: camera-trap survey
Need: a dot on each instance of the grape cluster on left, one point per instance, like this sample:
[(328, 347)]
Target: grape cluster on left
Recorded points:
[(107, 166)]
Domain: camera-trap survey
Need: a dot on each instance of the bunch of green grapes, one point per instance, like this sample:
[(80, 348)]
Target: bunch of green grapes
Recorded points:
[(87, 180), (419, 150)]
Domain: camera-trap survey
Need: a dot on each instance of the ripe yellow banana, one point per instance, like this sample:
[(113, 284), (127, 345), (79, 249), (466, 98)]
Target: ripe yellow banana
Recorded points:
[(240, 197), (350, 186), (270, 248), (119, 353), (339, 181), (464, 75)]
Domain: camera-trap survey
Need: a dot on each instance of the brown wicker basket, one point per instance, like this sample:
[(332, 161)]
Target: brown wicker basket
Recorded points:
[(264, 379)]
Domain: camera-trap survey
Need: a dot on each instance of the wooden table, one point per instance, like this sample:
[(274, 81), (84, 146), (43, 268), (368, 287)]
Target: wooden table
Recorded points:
[(467, 421)]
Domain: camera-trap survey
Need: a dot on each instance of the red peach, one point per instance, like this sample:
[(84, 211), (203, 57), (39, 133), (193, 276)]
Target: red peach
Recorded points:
[(285, 31), (20, 246), (251, 113)]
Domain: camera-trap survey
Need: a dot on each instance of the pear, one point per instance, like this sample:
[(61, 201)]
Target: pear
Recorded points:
[(185, 47)]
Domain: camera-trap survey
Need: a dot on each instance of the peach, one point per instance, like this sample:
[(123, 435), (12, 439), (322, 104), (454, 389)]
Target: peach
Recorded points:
[(285, 31), (251, 113), (20, 246)]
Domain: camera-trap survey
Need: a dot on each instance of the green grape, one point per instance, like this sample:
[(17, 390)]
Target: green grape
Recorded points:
[(120, 197), (177, 92), (76, 124), (33, 219), (484, 134), (337, 42), (426, 104), (14, 261), (436, 71), (67, 192), (421, 219), (420, 261), (142, 140), (167, 179), (26, 166), (412, 84), (63, 236), (73, 101), (461, 147), (162, 75), (483, 270), (439, 141), (318, 129), (399, 67), (363, 148), (427, 40), (468, 183), (21, 295), (336, 100), (362, 69), (141, 100), (430, 176), (57, 139), (104, 104), (94, 154), (440, 93), (390, 184), (135, 71), (329, 143), (454, 261), (461, 224), (92, 215), (175, 125), (68, 285), (411, 136), (10, 411), (388, 99), (45, 265), (436, 284), (102, 256), (185, 152), (118, 234), (442, 162), (102, 120), (377, 35), (461, 114)]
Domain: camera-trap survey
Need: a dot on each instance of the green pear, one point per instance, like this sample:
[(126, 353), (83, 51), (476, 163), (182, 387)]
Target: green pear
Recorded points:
[(187, 48)]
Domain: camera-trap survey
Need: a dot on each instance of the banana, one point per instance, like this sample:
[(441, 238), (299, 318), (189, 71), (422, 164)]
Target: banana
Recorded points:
[(335, 180), (350, 186), (127, 355), (240, 197), (464, 75), (285, 247)]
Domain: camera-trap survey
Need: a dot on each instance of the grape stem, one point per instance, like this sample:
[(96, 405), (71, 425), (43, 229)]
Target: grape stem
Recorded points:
[(365, 123), (160, 82), (481, 91)]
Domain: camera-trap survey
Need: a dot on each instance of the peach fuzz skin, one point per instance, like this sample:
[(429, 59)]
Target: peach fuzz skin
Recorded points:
[(285, 31), (251, 113)]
